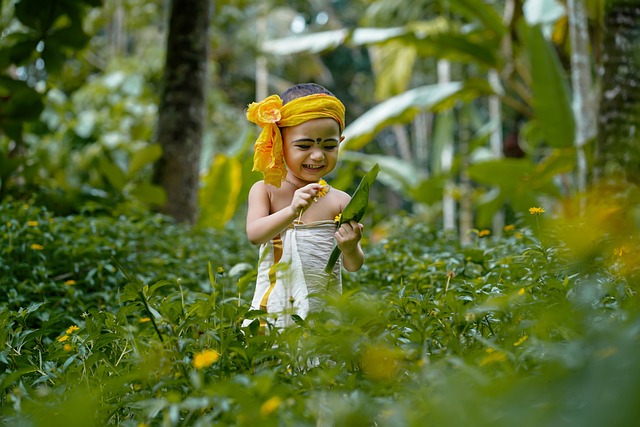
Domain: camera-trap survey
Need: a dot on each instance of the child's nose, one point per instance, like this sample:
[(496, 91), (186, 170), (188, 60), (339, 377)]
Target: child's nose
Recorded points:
[(317, 154)]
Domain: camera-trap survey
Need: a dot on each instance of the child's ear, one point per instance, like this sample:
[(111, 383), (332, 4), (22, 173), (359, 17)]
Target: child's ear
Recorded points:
[(341, 138)]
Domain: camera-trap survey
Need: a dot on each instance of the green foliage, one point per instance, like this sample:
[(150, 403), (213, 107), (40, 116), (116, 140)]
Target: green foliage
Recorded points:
[(499, 332)]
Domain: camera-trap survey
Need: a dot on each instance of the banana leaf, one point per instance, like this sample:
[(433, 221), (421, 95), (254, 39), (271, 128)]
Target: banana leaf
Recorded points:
[(355, 210)]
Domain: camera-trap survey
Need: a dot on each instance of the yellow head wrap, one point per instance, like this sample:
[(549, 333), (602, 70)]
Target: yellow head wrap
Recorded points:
[(271, 115)]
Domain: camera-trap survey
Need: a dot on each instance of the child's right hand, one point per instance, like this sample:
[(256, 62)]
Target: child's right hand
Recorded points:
[(303, 197)]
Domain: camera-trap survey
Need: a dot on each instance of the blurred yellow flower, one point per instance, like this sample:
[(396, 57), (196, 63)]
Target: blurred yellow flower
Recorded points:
[(205, 358), (70, 282), (67, 347), (493, 356), (63, 338), (521, 340), (8, 224), (338, 217), (509, 227), (37, 247), (620, 251), (72, 329), (521, 291), (483, 233), (145, 319), (270, 405), (536, 211), (32, 223)]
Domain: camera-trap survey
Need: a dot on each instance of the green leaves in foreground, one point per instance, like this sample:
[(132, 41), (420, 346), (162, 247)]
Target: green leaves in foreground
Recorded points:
[(355, 209)]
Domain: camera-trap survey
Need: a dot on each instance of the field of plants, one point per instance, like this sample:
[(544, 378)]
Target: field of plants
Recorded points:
[(136, 321)]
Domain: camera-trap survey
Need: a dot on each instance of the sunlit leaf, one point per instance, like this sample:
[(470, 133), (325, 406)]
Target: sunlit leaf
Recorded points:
[(551, 95), (398, 109), (218, 196)]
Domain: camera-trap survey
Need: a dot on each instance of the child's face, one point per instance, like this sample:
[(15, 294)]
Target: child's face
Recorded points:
[(311, 148)]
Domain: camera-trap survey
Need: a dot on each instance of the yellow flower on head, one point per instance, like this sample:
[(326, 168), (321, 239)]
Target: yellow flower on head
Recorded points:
[(37, 247), (536, 211), (32, 223), (270, 405), (205, 358)]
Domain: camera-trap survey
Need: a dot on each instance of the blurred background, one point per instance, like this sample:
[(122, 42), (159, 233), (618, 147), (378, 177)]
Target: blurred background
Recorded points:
[(475, 110)]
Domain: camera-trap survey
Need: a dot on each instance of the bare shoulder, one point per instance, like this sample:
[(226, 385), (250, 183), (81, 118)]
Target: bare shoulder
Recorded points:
[(259, 188), (341, 197)]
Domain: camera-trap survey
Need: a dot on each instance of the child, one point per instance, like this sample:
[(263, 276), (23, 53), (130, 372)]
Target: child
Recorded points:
[(292, 213)]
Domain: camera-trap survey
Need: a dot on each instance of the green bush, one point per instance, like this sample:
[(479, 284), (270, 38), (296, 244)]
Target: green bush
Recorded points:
[(504, 331)]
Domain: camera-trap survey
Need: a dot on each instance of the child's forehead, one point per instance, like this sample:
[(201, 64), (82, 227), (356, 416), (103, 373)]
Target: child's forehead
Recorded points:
[(321, 123)]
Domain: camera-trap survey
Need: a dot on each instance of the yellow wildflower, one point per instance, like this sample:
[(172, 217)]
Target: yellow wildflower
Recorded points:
[(536, 211), (63, 338), (67, 347), (145, 319), (8, 224), (270, 405), (493, 356), (521, 291), (37, 247), (338, 217), (521, 340), (324, 190), (483, 233), (509, 227), (72, 329), (70, 282), (32, 223), (205, 358)]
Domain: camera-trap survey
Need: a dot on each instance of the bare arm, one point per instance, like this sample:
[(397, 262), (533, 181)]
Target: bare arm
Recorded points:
[(262, 225)]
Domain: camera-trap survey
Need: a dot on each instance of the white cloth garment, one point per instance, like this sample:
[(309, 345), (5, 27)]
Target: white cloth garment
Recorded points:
[(299, 273)]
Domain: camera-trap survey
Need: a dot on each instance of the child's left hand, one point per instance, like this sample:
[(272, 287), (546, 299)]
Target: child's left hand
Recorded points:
[(348, 236)]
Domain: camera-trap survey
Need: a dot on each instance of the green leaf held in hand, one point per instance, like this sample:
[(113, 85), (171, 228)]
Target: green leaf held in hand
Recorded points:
[(355, 210)]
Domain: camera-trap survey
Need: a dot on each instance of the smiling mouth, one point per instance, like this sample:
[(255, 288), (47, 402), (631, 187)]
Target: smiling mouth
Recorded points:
[(313, 167)]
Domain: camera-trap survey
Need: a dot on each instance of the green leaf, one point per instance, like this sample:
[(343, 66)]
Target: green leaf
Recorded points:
[(147, 155), (551, 95), (20, 102), (355, 210), (482, 11), (399, 109), (113, 173), (149, 194), (219, 192)]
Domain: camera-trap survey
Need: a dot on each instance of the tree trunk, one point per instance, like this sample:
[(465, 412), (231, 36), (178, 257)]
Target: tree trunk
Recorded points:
[(182, 108), (618, 145), (584, 107), (446, 161)]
